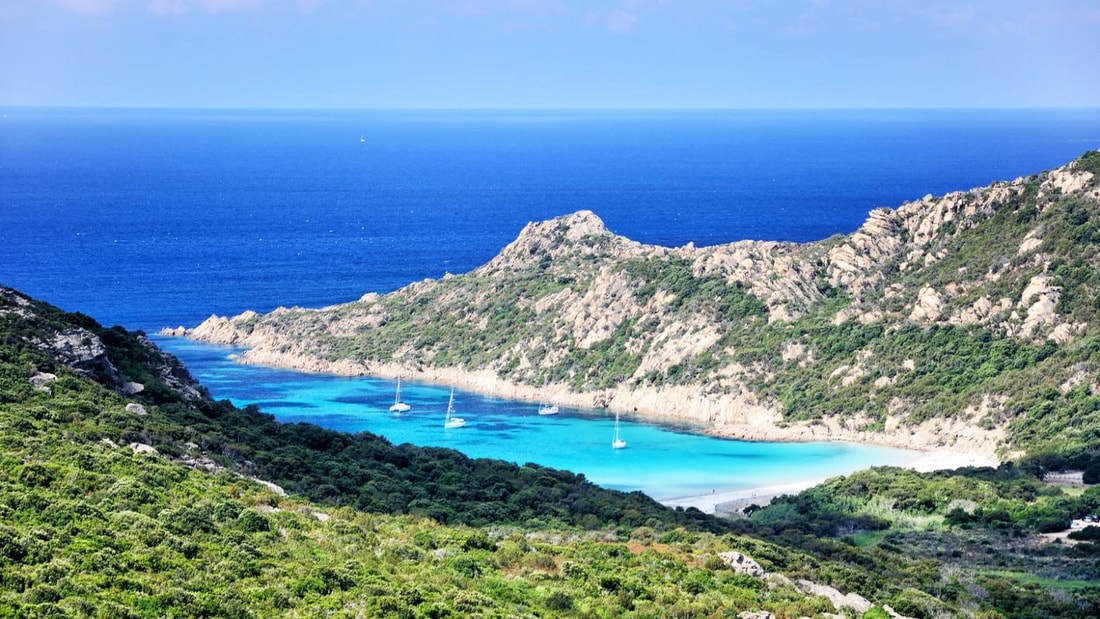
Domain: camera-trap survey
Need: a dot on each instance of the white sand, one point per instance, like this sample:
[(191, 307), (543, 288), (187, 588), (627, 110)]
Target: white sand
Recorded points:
[(708, 502), (928, 461)]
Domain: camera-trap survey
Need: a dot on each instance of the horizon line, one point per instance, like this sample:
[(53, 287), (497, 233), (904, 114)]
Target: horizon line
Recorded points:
[(200, 108)]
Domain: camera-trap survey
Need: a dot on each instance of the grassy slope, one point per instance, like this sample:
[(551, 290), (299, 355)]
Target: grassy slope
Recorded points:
[(89, 528)]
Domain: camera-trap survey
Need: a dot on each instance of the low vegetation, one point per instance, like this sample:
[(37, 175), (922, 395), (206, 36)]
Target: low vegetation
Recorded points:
[(94, 522), (126, 491)]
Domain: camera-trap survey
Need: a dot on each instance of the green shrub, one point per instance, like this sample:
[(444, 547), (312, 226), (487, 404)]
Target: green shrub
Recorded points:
[(1088, 534)]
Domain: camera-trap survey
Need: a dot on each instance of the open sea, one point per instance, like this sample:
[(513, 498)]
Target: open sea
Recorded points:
[(154, 218)]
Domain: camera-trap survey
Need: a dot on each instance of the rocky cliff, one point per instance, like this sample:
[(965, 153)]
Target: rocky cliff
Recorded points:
[(946, 322)]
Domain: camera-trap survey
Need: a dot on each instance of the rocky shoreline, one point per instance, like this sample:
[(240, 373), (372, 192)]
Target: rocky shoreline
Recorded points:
[(735, 416)]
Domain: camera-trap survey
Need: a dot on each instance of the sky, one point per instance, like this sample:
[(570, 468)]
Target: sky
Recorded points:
[(444, 54)]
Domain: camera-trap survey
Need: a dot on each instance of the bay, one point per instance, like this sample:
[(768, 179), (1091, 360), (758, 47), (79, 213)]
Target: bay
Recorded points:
[(154, 218), (666, 461)]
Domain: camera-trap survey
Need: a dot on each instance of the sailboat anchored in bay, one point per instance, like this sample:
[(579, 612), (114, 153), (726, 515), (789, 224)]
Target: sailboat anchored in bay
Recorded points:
[(451, 421), (398, 405), (617, 442)]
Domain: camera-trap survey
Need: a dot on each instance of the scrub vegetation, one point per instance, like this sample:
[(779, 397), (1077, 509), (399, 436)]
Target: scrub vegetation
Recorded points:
[(126, 491), (148, 505)]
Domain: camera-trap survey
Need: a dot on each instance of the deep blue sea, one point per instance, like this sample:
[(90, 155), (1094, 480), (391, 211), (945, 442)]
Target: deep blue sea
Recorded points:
[(153, 218)]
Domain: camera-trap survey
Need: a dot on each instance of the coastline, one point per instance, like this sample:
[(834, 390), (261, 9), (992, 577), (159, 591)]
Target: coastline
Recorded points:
[(966, 449), (732, 501), (738, 416)]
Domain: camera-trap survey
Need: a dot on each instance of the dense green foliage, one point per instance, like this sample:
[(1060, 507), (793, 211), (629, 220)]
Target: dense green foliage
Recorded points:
[(90, 527), (964, 524)]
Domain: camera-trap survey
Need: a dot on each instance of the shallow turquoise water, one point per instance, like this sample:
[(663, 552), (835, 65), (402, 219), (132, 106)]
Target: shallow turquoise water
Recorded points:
[(662, 461)]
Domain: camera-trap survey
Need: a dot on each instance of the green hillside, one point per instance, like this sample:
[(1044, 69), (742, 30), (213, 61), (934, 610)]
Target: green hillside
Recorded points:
[(144, 505)]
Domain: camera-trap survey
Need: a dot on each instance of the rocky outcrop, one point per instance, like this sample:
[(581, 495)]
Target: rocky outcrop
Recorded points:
[(839, 600), (42, 380), (742, 563), (82, 350)]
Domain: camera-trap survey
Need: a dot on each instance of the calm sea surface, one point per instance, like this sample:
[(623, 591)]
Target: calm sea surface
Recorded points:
[(160, 218)]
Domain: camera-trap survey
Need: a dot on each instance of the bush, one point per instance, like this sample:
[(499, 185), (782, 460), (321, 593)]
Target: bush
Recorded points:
[(252, 522), (559, 601), (1052, 525), (1089, 533), (918, 604)]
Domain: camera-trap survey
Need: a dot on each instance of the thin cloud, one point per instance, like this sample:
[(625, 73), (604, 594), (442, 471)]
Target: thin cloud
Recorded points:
[(180, 7), (88, 7), (621, 21), (309, 6)]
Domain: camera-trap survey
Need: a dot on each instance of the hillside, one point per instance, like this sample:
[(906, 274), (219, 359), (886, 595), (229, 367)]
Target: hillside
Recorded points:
[(126, 492), (967, 321)]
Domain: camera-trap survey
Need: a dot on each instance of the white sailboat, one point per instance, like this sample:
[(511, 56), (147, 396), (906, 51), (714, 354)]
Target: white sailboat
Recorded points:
[(617, 442), (398, 405), (451, 421), (544, 408)]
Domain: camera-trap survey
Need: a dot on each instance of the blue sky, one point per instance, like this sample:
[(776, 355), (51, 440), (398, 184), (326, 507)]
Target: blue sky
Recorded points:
[(550, 53)]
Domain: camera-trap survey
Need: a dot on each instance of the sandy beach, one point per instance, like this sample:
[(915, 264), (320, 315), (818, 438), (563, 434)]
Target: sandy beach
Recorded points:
[(735, 500)]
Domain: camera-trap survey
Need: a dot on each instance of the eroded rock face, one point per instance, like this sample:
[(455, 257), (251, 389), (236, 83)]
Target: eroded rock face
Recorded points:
[(81, 350), (856, 264)]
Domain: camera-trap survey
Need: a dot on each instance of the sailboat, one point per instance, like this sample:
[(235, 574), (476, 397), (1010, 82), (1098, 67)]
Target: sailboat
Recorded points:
[(398, 405), (617, 442), (451, 421), (544, 408)]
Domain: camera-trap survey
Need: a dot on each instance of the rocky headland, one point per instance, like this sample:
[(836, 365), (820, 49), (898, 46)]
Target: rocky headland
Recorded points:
[(938, 325)]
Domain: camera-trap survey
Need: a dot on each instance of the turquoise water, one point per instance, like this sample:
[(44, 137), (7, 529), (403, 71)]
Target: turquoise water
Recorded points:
[(664, 461)]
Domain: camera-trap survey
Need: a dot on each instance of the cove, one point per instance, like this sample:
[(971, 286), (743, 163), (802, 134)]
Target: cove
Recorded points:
[(666, 462)]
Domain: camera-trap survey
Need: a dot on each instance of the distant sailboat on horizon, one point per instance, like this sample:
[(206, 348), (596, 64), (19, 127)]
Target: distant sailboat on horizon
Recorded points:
[(617, 442), (451, 421), (398, 405)]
